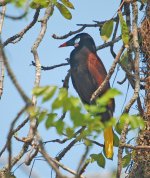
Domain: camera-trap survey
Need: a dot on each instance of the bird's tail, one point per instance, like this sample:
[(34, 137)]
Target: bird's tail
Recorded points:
[(108, 138)]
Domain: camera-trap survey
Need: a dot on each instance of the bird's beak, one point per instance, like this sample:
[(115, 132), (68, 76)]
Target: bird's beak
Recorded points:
[(63, 45), (68, 43)]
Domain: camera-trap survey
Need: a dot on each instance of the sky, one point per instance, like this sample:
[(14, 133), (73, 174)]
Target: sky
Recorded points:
[(20, 57)]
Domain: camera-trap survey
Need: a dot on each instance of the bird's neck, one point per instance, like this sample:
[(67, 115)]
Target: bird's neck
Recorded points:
[(79, 57)]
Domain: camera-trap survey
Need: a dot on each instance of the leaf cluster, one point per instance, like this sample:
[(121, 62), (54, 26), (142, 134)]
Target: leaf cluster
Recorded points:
[(63, 6)]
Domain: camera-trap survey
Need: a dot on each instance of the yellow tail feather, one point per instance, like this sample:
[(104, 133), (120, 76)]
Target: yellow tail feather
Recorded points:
[(108, 137)]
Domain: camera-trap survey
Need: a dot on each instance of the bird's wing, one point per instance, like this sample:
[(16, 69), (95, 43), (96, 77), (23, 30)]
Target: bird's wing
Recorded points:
[(83, 83), (98, 72)]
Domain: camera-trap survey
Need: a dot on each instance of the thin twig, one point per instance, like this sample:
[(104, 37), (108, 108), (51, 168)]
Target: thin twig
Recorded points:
[(12, 76), (135, 147), (69, 34), (137, 53), (19, 35), (9, 145), (120, 149), (71, 144), (110, 43), (2, 69), (15, 17), (13, 132), (50, 161), (14, 160), (51, 67), (1, 59), (82, 161), (2, 18)]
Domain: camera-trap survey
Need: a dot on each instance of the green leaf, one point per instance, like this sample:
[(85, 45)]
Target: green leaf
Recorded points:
[(61, 99), (38, 91), (77, 117), (42, 116), (64, 11), (125, 62), (136, 121), (116, 140), (126, 160), (118, 128), (99, 158), (17, 3), (50, 120), (39, 3), (124, 30), (59, 126), (48, 94), (107, 30), (111, 93), (69, 132), (87, 142), (67, 3), (101, 161)]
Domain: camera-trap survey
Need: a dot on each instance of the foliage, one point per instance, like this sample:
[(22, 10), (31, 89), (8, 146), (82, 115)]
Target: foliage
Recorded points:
[(61, 100), (124, 30), (62, 7), (99, 158), (107, 30)]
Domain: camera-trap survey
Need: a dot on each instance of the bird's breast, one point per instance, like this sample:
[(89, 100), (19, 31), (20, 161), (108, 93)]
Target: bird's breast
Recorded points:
[(82, 80)]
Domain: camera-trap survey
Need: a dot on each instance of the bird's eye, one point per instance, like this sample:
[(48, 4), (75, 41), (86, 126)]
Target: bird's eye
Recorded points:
[(77, 40)]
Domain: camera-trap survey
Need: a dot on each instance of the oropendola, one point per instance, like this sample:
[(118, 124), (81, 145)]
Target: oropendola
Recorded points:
[(87, 74)]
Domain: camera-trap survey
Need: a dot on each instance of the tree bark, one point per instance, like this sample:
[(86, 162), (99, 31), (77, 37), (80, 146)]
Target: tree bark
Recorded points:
[(141, 158)]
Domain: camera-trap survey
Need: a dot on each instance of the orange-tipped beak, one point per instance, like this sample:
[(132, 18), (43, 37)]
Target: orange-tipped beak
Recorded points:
[(63, 45)]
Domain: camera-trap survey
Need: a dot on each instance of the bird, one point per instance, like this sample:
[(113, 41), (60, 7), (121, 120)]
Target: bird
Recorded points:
[(87, 74)]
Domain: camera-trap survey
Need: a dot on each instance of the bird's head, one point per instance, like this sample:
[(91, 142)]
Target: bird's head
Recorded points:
[(81, 40)]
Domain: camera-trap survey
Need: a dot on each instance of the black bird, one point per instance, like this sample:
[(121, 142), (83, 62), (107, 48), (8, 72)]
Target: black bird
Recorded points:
[(87, 74)]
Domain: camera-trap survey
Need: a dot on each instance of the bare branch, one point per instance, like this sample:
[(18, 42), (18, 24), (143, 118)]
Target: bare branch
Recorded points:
[(135, 147), (110, 43), (53, 162), (82, 161), (1, 59), (2, 69), (14, 17), (19, 35), (12, 76), (4, 171), (2, 18), (51, 67), (9, 145), (13, 132), (69, 34), (71, 144), (120, 149), (33, 123), (137, 53), (50, 161)]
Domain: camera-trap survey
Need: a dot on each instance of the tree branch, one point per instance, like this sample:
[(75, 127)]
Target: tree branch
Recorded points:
[(12, 76), (19, 35)]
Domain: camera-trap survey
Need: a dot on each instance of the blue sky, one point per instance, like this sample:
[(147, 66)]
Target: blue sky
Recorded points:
[(20, 58)]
